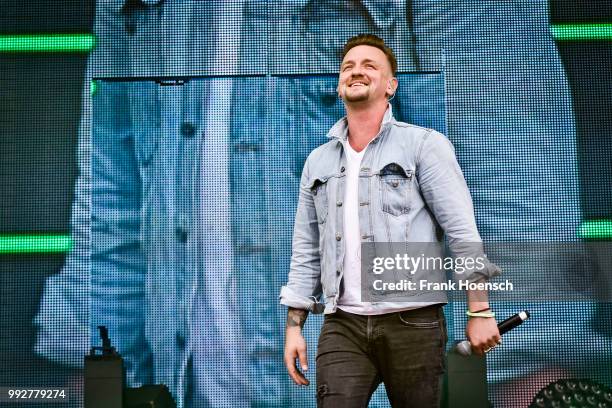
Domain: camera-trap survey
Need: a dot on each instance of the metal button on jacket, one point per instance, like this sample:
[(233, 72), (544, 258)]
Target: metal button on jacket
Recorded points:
[(181, 234), (188, 129)]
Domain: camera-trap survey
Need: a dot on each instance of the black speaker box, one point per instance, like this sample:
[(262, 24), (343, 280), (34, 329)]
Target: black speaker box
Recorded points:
[(148, 396)]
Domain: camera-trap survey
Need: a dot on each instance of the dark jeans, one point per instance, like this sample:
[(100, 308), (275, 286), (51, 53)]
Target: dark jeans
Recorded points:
[(404, 350)]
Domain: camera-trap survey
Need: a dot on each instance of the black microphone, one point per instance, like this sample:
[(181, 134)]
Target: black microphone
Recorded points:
[(465, 348), (513, 321)]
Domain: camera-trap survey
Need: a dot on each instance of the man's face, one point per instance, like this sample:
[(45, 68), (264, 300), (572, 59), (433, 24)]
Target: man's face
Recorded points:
[(365, 76)]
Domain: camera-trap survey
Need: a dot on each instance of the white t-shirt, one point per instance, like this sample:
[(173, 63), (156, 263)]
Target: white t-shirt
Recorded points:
[(350, 301)]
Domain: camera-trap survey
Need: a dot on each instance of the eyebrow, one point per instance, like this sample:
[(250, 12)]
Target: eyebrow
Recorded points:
[(352, 62)]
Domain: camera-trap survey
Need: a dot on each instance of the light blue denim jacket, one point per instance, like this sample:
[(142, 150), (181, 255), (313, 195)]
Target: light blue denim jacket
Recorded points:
[(411, 189)]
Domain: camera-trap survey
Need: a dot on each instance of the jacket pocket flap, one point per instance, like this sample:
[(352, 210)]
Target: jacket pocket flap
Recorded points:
[(316, 181), (395, 169)]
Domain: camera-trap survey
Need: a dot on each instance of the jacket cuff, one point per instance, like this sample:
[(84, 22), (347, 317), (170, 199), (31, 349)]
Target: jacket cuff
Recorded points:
[(290, 298), (489, 271)]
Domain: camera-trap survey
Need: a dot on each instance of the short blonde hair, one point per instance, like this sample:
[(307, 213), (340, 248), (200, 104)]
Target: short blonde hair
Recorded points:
[(373, 41)]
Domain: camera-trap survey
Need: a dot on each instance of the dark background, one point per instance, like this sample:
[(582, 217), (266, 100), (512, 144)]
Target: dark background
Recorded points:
[(40, 107)]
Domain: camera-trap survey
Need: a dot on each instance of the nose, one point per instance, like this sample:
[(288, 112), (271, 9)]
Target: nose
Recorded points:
[(356, 71)]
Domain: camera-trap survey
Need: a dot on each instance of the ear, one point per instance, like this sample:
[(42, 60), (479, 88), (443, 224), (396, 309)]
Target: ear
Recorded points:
[(391, 86)]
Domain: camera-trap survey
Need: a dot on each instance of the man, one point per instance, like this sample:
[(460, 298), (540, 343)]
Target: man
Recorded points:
[(500, 102), (362, 343)]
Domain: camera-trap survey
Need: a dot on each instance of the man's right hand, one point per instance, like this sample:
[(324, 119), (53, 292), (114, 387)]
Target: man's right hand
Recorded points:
[(295, 345), (295, 349)]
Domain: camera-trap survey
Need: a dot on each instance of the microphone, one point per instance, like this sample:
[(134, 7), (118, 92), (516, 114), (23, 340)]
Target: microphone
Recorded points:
[(465, 348)]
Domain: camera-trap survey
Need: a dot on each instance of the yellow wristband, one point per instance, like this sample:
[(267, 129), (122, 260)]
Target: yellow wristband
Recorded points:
[(480, 314)]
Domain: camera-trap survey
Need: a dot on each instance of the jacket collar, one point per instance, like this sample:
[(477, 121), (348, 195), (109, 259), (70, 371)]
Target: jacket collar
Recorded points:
[(340, 129)]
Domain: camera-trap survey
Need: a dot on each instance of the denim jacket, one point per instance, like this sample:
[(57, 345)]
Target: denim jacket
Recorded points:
[(411, 189)]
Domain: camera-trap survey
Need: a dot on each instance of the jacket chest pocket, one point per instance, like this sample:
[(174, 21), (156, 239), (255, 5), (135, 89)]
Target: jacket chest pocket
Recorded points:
[(320, 195), (395, 189)]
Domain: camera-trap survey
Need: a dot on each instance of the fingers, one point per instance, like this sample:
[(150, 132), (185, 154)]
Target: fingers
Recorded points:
[(490, 344), (478, 350), (303, 357), (494, 341), (482, 346), (483, 334), (293, 371)]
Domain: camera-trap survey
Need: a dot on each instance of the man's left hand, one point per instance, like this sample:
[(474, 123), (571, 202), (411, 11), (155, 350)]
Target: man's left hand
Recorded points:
[(483, 334)]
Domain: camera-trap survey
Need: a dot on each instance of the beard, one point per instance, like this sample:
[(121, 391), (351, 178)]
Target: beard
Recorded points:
[(357, 95)]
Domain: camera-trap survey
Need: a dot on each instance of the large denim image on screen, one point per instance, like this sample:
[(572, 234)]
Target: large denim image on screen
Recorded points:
[(210, 194)]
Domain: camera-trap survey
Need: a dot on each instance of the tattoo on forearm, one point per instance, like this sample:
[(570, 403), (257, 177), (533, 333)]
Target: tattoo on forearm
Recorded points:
[(296, 317)]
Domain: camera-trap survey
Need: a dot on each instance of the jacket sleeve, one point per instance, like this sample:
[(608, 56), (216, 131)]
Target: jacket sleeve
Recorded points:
[(63, 316), (118, 267), (446, 193), (103, 280), (303, 288)]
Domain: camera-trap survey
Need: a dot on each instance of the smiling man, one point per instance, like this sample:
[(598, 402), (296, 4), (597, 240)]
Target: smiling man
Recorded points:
[(376, 180)]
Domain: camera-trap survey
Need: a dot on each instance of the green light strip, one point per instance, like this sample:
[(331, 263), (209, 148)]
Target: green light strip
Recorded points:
[(47, 43), (577, 32), (86, 42), (596, 229), (20, 244)]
